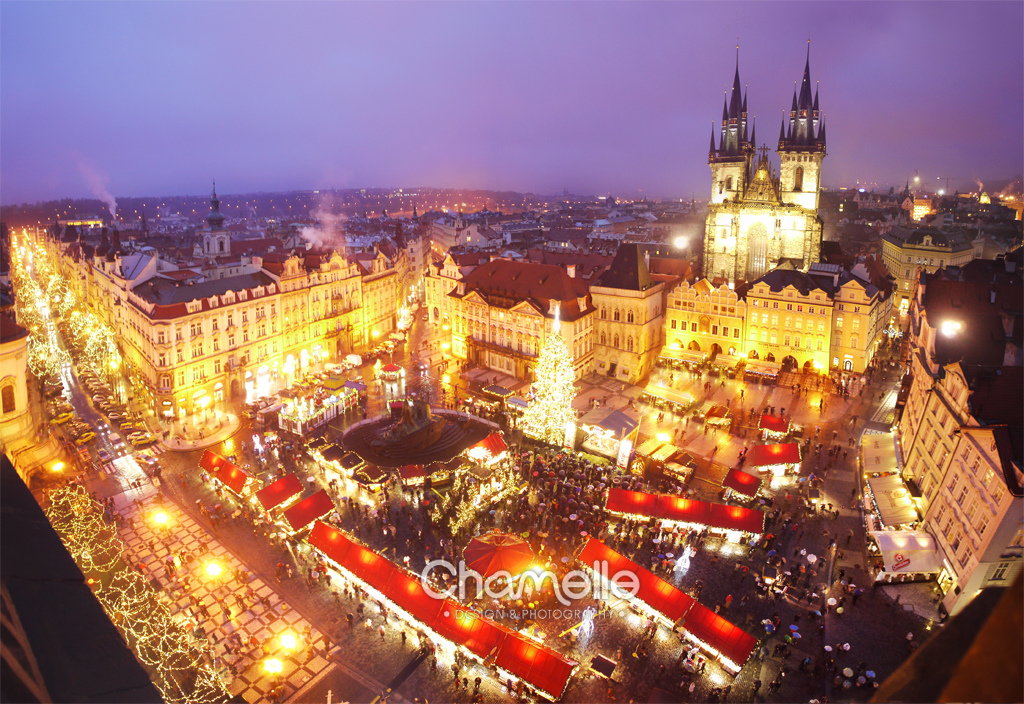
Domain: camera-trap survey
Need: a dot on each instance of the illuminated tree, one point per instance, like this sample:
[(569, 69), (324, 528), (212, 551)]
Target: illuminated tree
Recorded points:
[(553, 391)]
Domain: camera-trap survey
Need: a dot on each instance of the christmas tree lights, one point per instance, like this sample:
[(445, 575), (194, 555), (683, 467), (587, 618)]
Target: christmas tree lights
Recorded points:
[(551, 410), (179, 663)]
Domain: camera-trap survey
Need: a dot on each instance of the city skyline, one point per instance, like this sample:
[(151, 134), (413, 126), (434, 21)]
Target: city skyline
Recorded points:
[(601, 99)]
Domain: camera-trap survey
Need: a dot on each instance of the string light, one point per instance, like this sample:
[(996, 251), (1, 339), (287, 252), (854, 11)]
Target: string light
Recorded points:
[(180, 664)]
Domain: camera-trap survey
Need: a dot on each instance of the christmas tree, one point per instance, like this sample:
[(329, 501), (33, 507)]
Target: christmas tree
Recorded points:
[(553, 391)]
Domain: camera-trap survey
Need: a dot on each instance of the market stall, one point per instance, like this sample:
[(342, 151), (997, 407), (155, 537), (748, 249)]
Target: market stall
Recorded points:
[(889, 500), (673, 357), (280, 492), (742, 483), (668, 399), (779, 459), (310, 409), (302, 513), (726, 363), (609, 433), (732, 521), (759, 371), (391, 373), (773, 427), (727, 643), (657, 458), (716, 415), (225, 472), (448, 623)]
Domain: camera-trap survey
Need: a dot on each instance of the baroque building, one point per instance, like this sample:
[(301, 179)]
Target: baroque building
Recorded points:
[(759, 218)]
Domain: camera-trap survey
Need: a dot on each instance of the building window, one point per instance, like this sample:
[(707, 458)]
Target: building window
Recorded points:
[(615, 315), (999, 573), (161, 337), (7, 398), (216, 366), (629, 316), (693, 327), (673, 324)]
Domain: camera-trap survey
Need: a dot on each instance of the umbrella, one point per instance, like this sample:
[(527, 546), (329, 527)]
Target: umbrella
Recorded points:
[(572, 516), (831, 601), (812, 558), (669, 554), (847, 672), (794, 627), (846, 647), (797, 635), (496, 552), (861, 680), (828, 648), (870, 673)]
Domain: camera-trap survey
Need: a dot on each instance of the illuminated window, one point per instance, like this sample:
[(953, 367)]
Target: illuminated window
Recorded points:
[(7, 398)]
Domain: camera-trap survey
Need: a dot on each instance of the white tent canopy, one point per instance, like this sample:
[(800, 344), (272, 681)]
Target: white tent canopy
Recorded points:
[(878, 452), (907, 551), (895, 507)]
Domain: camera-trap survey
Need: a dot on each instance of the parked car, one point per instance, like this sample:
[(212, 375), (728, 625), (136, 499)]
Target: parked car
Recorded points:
[(104, 456), (62, 418), (85, 437), (141, 439)]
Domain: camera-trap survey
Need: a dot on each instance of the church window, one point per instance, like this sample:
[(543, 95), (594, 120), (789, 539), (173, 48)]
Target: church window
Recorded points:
[(629, 316), (604, 338), (7, 398), (615, 315), (798, 179), (629, 344), (615, 342), (604, 313)]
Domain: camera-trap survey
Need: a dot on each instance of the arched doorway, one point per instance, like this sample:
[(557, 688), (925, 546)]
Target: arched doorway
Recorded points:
[(788, 363), (848, 365), (752, 354), (732, 351), (808, 366), (437, 314), (716, 349), (770, 357), (234, 389), (693, 346)]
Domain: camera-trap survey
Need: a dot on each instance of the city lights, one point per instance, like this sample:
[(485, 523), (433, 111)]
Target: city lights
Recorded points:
[(213, 569), (950, 328), (273, 666)]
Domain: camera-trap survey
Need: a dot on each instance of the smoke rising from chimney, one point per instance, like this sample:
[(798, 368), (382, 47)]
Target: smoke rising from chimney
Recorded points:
[(97, 183), (329, 225)]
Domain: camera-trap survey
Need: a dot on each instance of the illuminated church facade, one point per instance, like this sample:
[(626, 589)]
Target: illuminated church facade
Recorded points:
[(759, 218)]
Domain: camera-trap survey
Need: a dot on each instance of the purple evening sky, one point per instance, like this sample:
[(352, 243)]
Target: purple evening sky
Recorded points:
[(598, 97)]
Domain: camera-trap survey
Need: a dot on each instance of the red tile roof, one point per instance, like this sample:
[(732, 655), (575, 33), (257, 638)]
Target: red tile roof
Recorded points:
[(505, 283), (778, 453)]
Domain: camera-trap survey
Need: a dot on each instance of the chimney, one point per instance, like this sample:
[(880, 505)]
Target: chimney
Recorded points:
[(571, 270)]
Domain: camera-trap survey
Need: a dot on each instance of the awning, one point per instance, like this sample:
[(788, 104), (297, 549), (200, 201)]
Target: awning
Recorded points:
[(224, 471), (494, 444), (412, 471), (357, 385), (727, 360), (682, 355), (664, 452), (277, 493), (616, 421), (680, 509), (778, 453), (663, 393), (211, 460), (308, 510), (878, 452), (499, 391), (534, 663), (676, 606), (516, 401), (391, 368), (756, 366), (907, 551), (716, 412), (892, 498), (773, 424), (333, 383), (742, 483)]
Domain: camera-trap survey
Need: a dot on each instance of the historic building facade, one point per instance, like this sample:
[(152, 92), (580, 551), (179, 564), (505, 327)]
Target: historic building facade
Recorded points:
[(757, 218)]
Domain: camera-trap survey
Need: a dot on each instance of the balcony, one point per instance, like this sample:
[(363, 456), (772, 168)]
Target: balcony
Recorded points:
[(501, 349)]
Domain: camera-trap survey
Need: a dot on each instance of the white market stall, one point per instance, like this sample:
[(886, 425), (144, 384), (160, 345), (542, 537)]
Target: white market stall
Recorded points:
[(904, 552)]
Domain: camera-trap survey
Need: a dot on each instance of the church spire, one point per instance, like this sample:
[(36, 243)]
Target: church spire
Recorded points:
[(712, 149), (736, 99), (782, 129), (805, 102), (215, 219)]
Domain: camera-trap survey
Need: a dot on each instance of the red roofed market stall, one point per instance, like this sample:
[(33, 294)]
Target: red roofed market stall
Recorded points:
[(280, 491), (677, 509), (446, 620), (741, 482), (304, 512), (779, 459), (728, 643), (225, 471), (773, 427)]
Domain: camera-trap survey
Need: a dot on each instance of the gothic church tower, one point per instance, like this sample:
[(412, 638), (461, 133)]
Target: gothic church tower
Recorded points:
[(759, 219)]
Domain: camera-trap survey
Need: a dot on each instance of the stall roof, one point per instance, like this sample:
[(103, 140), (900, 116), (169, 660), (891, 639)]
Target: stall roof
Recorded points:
[(308, 510), (332, 453), (717, 411), (520, 402), (742, 482), (412, 471), (391, 368), (677, 606), (615, 421), (727, 360), (357, 385), (231, 476), (774, 424), (878, 452), (907, 550), (678, 508), (778, 453), (666, 394), (682, 355), (275, 494), (210, 461), (534, 663), (496, 390), (333, 383), (892, 497), (647, 447), (758, 366), (493, 443)]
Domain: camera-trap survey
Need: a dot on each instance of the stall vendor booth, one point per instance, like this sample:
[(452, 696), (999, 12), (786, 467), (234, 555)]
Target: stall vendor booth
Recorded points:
[(305, 414), (716, 415), (738, 482), (903, 555), (280, 493), (725, 642), (889, 501), (300, 514), (778, 459), (668, 399), (488, 451), (761, 372), (692, 514), (452, 626), (656, 459), (727, 364), (773, 427), (611, 434), (391, 373), (674, 357), (226, 472), (497, 393)]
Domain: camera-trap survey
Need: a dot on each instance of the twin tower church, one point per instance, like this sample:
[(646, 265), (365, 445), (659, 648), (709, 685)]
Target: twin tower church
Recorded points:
[(760, 219)]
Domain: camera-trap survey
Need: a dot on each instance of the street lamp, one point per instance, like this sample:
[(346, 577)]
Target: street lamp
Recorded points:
[(681, 242), (57, 467), (160, 518), (273, 666), (213, 569), (289, 641), (950, 328)]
